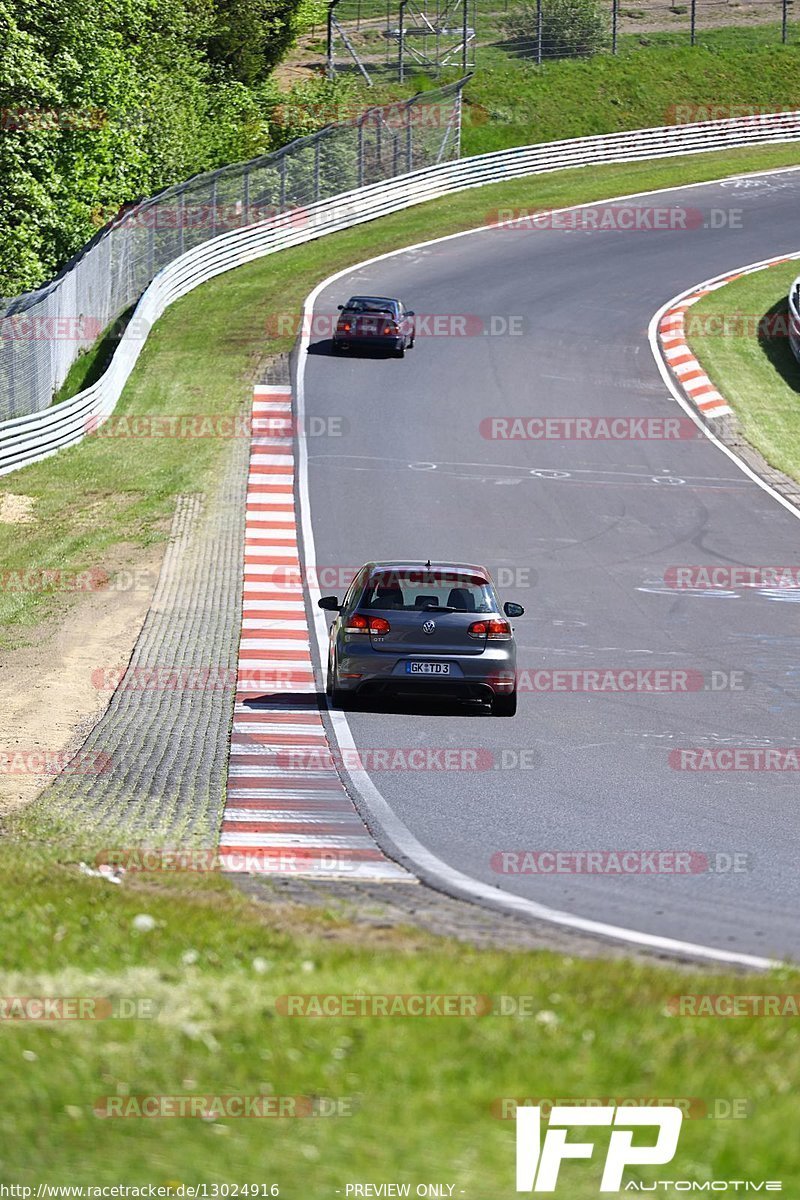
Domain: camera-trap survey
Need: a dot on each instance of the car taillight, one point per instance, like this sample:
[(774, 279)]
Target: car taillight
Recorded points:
[(499, 631), (361, 624), (390, 329), (343, 326), (493, 631)]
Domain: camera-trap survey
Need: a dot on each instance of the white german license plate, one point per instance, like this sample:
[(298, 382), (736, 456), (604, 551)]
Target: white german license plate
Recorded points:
[(427, 668)]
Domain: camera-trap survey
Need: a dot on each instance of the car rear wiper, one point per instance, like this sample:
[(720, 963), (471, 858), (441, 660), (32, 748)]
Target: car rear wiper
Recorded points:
[(440, 608)]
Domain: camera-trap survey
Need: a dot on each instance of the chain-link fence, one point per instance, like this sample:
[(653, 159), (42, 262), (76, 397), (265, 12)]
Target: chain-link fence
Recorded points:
[(388, 40), (43, 332), (538, 30)]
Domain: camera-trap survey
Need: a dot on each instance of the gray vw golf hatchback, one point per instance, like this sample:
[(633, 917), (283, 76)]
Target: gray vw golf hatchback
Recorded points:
[(425, 628)]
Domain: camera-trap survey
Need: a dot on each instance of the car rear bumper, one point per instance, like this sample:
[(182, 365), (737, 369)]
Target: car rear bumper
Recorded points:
[(477, 675), (373, 341)]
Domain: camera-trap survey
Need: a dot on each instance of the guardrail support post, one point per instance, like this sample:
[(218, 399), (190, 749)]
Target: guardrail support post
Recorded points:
[(329, 70), (693, 20), (361, 151), (459, 112), (464, 28), (784, 20), (614, 24), (539, 32), (317, 145), (401, 40), (181, 221)]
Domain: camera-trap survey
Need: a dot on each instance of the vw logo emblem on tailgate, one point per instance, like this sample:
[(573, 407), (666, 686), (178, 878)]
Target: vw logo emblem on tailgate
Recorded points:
[(429, 627)]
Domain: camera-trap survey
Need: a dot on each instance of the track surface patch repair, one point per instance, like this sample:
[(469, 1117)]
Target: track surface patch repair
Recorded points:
[(287, 810)]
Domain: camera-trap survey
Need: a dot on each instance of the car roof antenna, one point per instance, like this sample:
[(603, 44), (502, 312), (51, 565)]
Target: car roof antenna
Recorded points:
[(428, 565)]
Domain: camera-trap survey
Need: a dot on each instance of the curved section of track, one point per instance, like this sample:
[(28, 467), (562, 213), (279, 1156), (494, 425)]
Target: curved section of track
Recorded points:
[(584, 532)]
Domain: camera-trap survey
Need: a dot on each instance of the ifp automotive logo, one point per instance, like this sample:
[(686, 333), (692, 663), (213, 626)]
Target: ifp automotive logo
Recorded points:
[(538, 1162)]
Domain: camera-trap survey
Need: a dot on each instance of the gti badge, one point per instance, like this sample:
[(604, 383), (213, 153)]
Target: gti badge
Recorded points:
[(429, 627)]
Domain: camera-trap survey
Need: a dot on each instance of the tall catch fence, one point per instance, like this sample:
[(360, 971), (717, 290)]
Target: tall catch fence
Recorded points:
[(43, 332), (391, 40)]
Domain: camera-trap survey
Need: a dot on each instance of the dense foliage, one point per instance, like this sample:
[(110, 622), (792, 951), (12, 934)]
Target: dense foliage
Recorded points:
[(568, 27), (104, 102)]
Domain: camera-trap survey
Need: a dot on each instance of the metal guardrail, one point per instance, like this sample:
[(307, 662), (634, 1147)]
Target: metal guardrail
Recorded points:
[(794, 318), (28, 439), (42, 332)]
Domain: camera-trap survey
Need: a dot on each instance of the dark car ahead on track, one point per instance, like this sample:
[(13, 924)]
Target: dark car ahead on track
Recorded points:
[(425, 628), (375, 321)]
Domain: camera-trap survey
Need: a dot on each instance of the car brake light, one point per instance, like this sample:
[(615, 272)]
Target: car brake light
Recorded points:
[(499, 631), (344, 326), (493, 631), (361, 624), (390, 329)]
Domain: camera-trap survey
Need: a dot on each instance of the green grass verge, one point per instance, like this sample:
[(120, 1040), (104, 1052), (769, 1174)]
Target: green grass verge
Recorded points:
[(756, 372), (511, 101), (90, 364), (420, 1090), (109, 493)]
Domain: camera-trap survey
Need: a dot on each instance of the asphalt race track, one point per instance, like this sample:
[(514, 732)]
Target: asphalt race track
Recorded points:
[(582, 533)]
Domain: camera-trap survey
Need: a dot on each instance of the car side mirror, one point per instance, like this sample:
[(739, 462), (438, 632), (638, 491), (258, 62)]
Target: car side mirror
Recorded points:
[(410, 313), (330, 602), (513, 610), (340, 307)]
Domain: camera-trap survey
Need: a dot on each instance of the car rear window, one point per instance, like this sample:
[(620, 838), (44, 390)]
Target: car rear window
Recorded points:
[(370, 306), (415, 589)]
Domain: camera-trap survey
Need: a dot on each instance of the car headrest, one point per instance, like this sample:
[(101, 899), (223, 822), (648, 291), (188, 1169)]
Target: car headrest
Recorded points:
[(461, 599)]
